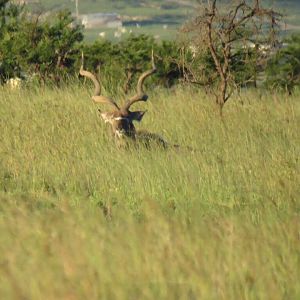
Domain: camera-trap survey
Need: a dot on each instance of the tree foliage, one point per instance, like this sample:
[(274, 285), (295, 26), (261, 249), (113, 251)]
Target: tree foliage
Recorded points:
[(123, 62), (32, 46), (49, 49), (9, 25), (283, 69), (222, 50)]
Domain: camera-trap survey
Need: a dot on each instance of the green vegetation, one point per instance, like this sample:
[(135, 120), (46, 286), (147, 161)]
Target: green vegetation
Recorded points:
[(80, 219), (283, 70), (49, 51), (31, 47)]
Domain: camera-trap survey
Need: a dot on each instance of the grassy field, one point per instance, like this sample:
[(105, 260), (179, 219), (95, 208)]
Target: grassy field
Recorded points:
[(80, 219)]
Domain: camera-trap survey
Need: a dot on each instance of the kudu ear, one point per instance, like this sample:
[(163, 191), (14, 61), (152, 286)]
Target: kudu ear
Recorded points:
[(137, 115)]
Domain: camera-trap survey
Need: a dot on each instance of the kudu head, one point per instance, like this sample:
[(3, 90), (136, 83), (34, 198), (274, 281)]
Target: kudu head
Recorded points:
[(121, 118)]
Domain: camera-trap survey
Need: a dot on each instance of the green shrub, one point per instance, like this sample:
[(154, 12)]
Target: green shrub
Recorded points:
[(283, 70)]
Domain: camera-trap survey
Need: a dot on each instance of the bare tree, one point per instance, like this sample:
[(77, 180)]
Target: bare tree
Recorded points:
[(220, 29)]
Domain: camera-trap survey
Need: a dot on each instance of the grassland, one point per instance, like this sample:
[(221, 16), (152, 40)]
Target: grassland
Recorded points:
[(80, 219)]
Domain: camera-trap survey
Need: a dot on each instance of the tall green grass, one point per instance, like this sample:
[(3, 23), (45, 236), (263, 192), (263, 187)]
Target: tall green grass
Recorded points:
[(81, 219)]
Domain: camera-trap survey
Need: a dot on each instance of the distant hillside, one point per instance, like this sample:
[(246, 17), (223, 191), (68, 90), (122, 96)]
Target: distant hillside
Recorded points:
[(123, 7), (137, 6), (160, 18)]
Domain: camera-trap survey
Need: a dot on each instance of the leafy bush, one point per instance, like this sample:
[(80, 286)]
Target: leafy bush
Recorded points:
[(125, 61), (31, 46), (50, 50), (283, 70), (9, 25)]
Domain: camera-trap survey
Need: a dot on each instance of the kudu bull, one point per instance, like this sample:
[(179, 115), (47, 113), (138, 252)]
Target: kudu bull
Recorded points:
[(121, 118)]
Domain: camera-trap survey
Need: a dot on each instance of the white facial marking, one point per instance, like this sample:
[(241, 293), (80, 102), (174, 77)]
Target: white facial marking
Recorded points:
[(119, 133), (120, 118)]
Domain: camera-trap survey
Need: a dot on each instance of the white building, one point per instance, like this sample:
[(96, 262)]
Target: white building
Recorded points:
[(111, 20)]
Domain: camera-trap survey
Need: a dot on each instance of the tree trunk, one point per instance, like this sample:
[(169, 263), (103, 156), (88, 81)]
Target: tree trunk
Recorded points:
[(221, 99)]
